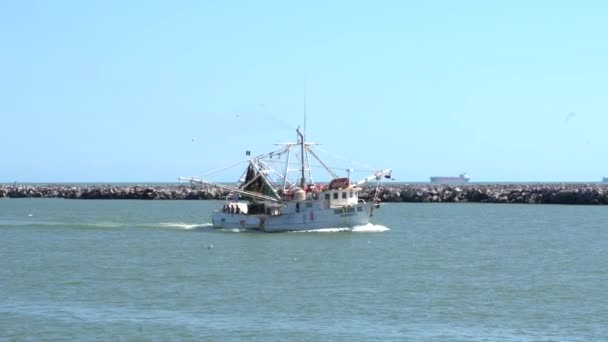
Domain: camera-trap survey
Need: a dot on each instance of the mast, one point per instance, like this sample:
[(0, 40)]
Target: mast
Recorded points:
[(302, 147), (303, 176)]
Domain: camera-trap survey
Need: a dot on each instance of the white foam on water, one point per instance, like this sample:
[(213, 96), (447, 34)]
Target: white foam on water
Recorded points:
[(324, 230), (203, 226), (185, 226), (368, 228), (232, 230), (238, 230)]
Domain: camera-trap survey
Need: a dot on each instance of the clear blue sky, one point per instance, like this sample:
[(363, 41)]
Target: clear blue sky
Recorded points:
[(109, 91)]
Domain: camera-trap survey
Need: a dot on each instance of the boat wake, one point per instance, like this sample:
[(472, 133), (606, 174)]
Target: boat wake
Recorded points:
[(104, 225), (367, 228), (185, 226), (58, 224)]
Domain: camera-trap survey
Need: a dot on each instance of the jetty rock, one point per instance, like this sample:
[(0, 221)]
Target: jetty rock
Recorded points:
[(566, 193)]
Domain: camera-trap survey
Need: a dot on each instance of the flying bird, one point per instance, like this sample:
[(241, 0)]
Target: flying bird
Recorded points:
[(570, 116)]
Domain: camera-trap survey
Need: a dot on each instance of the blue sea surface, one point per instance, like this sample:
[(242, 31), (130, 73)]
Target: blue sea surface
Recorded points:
[(155, 270)]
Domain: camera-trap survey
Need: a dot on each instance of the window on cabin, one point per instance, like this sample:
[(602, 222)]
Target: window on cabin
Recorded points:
[(327, 197), (344, 194), (351, 194), (335, 195)]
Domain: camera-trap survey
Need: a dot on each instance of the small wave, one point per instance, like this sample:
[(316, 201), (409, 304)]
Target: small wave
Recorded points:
[(103, 224)]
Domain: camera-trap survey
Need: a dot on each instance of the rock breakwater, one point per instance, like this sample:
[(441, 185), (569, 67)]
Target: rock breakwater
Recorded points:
[(140, 192), (495, 193), (499, 193)]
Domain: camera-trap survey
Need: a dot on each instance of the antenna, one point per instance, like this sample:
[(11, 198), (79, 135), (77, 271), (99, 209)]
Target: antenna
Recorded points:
[(304, 105)]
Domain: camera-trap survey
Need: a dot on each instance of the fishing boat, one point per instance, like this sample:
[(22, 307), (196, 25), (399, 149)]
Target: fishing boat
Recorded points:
[(285, 197)]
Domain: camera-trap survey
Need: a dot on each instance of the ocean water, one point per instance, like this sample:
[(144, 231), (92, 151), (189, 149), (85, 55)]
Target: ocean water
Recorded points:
[(156, 271)]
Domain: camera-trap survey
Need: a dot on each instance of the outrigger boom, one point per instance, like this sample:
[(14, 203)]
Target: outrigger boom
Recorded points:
[(231, 189), (378, 175)]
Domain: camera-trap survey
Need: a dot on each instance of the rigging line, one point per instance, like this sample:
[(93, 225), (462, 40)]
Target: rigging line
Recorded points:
[(273, 171), (278, 151), (243, 161), (313, 164), (243, 186), (307, 166), (302, 167), (346, 160), (224, 168), (331, 173), (243, 176), (261, 174), (243, 192), (288, 150)]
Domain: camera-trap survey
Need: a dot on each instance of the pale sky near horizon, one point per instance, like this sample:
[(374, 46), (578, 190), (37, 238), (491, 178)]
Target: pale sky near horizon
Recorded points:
[(130, 91)]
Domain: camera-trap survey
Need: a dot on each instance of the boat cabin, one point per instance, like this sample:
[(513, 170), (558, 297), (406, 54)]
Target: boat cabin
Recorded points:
[(339, 193), (341, 197)]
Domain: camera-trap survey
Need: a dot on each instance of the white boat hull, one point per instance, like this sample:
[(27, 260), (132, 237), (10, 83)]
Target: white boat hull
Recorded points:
[(307, 219)]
